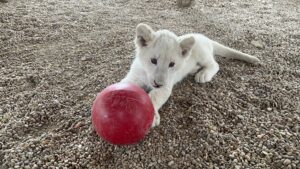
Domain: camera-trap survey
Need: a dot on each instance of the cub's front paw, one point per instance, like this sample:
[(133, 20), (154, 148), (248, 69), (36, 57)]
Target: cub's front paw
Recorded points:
[(203, 76), (156, 120)]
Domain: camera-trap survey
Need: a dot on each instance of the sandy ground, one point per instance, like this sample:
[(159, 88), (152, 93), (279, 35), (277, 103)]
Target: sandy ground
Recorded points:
[(55, 56)]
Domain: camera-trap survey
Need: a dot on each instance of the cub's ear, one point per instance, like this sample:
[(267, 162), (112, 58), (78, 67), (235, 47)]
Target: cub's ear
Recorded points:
[(186, 45), (144, 35)]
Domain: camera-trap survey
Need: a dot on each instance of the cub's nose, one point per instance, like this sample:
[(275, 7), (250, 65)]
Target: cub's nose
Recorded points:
[(157, 85)]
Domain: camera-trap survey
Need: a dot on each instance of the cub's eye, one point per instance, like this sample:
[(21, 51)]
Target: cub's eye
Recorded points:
[(154, 61), (171, 64)]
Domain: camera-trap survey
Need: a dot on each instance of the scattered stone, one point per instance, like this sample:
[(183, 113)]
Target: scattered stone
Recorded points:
[(247, 157), (78, 125), (287, 162), (265, 153), (84, 58), (240, 117), (237, 167), (257, 44), (260, 136), (170, 163), (152, 164), (184, 3)]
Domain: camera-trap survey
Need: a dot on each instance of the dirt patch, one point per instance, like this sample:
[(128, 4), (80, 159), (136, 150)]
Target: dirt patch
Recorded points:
[(55, 56)]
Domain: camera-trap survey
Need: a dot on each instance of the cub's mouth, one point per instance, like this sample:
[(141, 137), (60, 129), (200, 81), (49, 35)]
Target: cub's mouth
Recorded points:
[(156, 85)]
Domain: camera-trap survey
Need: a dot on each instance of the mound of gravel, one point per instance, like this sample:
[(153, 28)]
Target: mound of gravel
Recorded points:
[(55, 56)]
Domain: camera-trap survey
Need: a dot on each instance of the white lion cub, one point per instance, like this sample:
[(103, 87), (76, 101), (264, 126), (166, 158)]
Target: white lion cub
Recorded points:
[(163, 59)]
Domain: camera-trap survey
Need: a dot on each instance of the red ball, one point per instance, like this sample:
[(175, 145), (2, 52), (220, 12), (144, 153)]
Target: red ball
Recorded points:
[(122, 114)]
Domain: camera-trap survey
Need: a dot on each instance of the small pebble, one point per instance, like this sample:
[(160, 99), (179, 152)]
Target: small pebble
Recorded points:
[(84, 58), (257, 44), (170, 163), (287, 162)]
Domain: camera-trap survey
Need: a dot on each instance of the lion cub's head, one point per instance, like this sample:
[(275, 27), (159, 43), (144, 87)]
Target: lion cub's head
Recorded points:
[(161, 53)]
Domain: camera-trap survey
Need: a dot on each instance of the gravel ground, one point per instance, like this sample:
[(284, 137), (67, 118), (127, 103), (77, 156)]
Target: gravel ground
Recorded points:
[(57, 55)]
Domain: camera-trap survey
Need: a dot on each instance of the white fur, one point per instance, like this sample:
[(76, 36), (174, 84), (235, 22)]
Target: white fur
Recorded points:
[(189, 53)]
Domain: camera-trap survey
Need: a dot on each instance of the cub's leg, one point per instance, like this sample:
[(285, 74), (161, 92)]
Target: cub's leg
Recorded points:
[(136, 76), (158, 97), (209, 69)]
